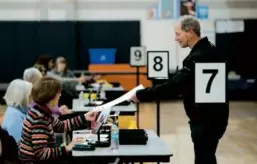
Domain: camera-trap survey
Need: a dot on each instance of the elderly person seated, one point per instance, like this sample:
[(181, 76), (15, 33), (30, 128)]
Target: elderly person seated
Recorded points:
[(32, 75), (17, 100), (38, 143)]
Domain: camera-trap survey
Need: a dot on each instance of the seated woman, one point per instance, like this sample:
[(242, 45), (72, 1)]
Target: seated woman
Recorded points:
[(32, 75), (17, 100), (62, 73), (68, 80), (38, 143), (44, 63)]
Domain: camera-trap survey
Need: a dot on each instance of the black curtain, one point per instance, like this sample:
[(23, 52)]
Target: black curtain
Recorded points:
[(6, 51), (58, 39), (21, 42), (25, 46), (240, 49), (18, 48)]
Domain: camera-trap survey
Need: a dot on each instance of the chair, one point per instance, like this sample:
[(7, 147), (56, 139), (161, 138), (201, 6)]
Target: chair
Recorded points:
[(9, 148)]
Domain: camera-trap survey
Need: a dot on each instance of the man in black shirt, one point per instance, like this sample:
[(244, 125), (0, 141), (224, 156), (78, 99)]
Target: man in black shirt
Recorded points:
[(208, 122)]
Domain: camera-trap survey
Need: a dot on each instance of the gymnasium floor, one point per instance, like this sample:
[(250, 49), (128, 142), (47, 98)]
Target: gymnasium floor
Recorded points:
[(238, 146)]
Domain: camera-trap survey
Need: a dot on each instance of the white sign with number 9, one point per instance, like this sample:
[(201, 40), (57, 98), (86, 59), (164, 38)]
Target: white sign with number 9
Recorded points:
[(137, 56), (158, 64), (210, 83)]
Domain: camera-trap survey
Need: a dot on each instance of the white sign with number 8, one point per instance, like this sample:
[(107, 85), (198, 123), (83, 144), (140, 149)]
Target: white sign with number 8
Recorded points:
[(158, 64)]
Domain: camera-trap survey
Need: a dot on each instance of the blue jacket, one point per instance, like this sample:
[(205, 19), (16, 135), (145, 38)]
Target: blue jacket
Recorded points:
[(13, 121)]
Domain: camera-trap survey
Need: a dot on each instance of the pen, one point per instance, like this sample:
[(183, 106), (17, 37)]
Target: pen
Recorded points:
[(88, 132)]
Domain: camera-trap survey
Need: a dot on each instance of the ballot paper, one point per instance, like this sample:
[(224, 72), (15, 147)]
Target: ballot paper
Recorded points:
[(125, 97), (106, 108)]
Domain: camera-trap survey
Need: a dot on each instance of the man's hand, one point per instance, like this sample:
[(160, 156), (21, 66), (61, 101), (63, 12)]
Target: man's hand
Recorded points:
[(91, 115), (134, 99), (64, 110)]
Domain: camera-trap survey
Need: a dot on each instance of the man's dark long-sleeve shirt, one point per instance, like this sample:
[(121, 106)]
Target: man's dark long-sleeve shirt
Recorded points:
[(182, 83)]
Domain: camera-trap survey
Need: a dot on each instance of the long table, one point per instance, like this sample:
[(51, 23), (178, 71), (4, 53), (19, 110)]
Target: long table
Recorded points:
[(154, 151)]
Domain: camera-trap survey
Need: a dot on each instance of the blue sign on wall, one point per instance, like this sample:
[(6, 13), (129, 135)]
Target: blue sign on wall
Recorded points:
[(202, 12), (102, 56)]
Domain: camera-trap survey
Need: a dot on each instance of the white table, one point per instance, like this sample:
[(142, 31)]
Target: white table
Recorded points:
[(77, 108), (113, 89), (154, 151), (80, 87)]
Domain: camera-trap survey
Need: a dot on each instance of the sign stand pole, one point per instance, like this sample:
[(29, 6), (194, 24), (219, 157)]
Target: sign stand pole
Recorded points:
[(138, 75), (158, 67), (137, 59), (158, 117)]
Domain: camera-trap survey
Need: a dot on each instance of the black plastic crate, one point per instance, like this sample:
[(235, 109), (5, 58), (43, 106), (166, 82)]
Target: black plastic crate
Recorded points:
[(132, 137)]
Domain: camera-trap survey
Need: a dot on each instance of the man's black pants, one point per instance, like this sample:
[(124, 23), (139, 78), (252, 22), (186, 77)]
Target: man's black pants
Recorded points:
[(206, 139)]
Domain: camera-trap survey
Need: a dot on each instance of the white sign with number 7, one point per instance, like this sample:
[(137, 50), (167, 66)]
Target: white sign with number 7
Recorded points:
[(210, 83)]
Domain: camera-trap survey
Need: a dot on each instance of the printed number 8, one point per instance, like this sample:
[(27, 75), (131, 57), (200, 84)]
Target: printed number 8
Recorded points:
[(157, 63)]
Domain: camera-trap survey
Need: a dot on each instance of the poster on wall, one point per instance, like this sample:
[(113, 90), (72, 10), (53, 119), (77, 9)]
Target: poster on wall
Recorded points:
[(202, 11), (187, 7), (167, 9), (153, 12)]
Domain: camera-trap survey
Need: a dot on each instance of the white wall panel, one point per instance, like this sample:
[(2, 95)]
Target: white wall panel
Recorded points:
[(32, 1), (19, 15), (57, 15), (112, 14), (232, 13)]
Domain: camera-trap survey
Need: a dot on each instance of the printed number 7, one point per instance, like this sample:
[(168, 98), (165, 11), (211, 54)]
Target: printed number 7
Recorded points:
[(214, 73)]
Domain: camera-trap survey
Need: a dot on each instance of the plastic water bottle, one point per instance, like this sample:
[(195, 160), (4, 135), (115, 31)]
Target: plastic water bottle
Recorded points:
[(81, 99), (114, 137)]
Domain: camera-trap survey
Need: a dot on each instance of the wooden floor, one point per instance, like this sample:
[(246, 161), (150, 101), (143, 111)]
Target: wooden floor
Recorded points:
[(238, 146)]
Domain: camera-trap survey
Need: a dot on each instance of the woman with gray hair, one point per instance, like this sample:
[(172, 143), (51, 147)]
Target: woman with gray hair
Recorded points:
[(17, 100), (32, 75)]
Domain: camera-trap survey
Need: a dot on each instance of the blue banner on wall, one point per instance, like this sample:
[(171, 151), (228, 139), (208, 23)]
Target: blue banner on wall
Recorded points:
[(202, 12)]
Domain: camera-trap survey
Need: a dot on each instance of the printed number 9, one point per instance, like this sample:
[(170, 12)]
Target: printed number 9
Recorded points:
[(138, 55)]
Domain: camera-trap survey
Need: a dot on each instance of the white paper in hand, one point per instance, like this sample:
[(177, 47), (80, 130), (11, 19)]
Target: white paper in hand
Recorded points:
[(106, 108), (121, 99)]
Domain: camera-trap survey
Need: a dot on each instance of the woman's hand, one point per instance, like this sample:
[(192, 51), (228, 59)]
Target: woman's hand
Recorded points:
[(91, 115), (64, 110), (73, 142)]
